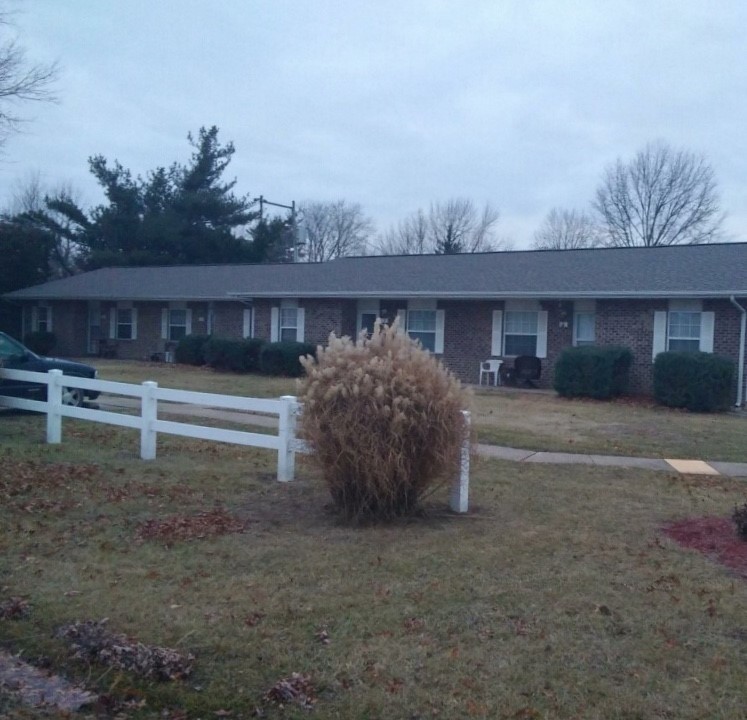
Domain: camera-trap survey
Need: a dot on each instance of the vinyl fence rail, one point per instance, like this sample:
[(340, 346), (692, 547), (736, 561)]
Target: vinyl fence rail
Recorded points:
[(286, 408)]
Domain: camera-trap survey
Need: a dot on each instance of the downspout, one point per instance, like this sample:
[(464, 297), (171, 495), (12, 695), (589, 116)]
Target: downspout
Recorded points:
[(742, 333)]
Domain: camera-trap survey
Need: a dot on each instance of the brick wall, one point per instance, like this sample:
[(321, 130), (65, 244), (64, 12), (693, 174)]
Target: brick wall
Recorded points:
[(467, 329)]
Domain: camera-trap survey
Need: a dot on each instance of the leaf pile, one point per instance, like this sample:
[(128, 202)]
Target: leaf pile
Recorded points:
[(32, 486), (91, 642), (294, 689), (14, 608), (191, 527)]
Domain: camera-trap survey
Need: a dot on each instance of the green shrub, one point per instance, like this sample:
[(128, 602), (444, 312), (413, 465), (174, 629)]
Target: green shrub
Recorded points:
[(283, 358), (597, 371), (235, 355), (41, 342), (191, 349), (694, 380), (384, 421)]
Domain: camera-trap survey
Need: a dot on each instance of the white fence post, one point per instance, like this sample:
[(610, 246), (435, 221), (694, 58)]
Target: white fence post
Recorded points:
[(54, 407), (459, 498), (287, 437), (149, 415)]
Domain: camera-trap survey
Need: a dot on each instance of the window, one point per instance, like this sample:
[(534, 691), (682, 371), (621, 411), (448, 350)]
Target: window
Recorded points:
[(521, 333), (43, 319), (368, 320), (177, 323), (683, 333), (288, 324), (421, 325), (124, 324), (583, 328)]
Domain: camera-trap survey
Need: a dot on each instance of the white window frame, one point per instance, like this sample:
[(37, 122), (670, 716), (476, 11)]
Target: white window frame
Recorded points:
[(584, 308), (277, 318), (115, 322), (168, 324), (36, 321), (663, 327), (526, 306), (439, 320)]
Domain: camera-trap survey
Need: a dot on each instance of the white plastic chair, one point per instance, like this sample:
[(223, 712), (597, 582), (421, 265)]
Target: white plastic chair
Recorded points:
[(491, 366)]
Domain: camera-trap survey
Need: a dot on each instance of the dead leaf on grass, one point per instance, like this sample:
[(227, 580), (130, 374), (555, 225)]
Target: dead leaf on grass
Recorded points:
[(15, 608), (91, 642), (296, 689), (191, 527)]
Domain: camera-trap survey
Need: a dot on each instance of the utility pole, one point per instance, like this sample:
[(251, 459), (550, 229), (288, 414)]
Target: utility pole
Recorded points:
[(292, 208)]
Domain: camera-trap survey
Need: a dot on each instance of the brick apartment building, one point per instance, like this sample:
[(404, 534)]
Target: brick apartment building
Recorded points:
[(464, 308)]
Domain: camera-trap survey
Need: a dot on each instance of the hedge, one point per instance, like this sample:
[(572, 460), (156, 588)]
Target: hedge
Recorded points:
[(597, 371), (191, 349), (282, 358), (235, 355), (693, 380)]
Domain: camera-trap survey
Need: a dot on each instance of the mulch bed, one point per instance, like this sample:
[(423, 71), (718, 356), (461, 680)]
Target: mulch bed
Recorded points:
[(715, 537)]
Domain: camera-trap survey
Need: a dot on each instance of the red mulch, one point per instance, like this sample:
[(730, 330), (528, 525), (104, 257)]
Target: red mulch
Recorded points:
[(715, 537)]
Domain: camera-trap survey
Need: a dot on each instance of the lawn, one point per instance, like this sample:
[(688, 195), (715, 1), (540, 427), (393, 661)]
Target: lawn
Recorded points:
[(558, 596), (535, 421)]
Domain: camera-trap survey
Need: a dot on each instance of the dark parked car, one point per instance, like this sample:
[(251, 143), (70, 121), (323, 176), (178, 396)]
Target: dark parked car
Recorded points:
[(15, 356)]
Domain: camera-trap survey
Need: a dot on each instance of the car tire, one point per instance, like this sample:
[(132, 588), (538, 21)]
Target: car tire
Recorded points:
[(72, 396)]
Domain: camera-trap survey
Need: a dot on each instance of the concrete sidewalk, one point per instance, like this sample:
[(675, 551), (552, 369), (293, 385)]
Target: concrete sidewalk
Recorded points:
[(690, 467)]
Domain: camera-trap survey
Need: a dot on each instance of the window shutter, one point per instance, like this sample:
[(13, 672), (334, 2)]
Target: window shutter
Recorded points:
[(300, 319), (134, 323), (274, 324), (113, 323), (496, 347), (707, 321), (402, 317), (440, 319), (49, 318), (164, 323), (34, 318), (660, 333), (542, 334), (247, 326), (189, 322)]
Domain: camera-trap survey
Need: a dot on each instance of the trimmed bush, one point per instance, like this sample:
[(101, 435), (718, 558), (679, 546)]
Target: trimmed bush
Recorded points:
[(283, 358), (40, 342), (384, 420), (597, 371), (697, 381), (234, 355), (191, 349)]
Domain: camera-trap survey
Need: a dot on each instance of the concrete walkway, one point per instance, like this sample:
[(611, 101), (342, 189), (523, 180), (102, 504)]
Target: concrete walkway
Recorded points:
[(689, 467)]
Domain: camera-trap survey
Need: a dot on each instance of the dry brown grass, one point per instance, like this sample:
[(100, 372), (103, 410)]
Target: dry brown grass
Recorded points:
[(535, 421), (558, 596)]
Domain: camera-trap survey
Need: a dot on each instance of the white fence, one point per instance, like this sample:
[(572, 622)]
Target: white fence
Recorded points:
[(286, 408)]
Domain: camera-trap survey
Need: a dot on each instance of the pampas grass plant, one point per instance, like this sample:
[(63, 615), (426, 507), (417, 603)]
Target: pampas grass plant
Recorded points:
[(384, 420)]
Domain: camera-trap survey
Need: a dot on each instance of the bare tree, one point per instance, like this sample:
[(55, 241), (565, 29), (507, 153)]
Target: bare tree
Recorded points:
[(20, 80), (453, 226), (409, 237), (32, 203), (661, 197), (566, 230), (334, 229)]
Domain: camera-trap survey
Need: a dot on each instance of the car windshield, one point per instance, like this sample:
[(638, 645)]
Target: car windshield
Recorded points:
[(10, 348)]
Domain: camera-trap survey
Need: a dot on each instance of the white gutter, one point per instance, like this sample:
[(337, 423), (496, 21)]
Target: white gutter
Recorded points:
[(742, 333)]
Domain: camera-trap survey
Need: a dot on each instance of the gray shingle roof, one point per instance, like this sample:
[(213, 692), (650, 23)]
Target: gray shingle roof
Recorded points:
[(692, 270)]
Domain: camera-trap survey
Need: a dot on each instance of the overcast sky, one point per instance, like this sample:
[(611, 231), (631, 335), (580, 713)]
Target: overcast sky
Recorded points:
[(521, 103)]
